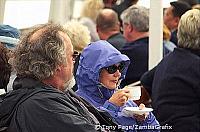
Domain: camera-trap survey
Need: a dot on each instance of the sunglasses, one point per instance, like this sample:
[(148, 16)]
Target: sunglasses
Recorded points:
[(113, 68), (75, 55)]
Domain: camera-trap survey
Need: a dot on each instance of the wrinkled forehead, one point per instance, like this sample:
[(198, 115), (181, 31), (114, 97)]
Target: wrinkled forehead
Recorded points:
[(67, 41), (37, 34)]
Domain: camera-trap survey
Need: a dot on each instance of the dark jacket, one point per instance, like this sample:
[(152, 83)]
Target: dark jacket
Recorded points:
[(117, 40), (138, 52), (36, 107), (176, 90)]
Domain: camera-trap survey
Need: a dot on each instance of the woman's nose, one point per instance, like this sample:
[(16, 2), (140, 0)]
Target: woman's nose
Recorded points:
[(117, 73)]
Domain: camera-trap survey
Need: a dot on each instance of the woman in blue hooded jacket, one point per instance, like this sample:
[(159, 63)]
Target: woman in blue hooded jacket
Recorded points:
[(101, 68)]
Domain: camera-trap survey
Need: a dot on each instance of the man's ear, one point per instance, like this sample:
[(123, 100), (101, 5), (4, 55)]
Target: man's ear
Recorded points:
[(176, 20), (130, 28), (58, 69), (97, 29), (118, 25)]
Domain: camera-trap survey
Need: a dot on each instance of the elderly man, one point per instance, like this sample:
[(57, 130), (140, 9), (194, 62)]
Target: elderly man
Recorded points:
[(108, 28), (176, 85), (44, 64), (136, 32)]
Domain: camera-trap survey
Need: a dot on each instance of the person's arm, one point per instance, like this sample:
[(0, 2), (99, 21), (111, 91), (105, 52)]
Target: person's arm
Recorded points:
[(118, 99), (147, 80), (111, 108), (115, 112)]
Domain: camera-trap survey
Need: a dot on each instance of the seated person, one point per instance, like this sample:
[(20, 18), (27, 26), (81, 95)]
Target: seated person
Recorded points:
[(5, 68), (174, 83), (147, 80), (101, 68), (39, 101), (9, 38)]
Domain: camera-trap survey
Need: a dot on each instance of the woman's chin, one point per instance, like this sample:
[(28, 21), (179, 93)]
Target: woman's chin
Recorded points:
[(112, 87)]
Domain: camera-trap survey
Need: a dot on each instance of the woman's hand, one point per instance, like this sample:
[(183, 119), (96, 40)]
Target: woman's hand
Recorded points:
[(141, 117), (120, 97)]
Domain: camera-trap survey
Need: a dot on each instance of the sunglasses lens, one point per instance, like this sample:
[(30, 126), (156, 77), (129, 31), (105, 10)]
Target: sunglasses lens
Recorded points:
[(75, 55), (112, 69), (121, 67)]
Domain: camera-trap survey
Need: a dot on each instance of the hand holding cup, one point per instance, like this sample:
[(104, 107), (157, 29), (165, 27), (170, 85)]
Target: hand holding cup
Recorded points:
[(120, 97), (135, 92)]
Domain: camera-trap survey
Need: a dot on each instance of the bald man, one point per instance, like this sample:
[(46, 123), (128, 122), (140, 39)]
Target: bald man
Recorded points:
[(108, 28), (44, 65)]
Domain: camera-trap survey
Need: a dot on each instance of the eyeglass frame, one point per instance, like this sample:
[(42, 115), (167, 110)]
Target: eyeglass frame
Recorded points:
[(75, 55), (120, 67)]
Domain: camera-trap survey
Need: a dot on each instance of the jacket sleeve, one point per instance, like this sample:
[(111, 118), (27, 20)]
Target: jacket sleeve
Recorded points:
[(111, 108), (151, 123), (50, 116), (116, 113)]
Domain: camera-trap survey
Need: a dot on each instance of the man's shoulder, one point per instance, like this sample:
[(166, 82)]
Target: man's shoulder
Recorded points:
[(117, 36), (117, 40), (46, 97), (38, 95), (135, 47)]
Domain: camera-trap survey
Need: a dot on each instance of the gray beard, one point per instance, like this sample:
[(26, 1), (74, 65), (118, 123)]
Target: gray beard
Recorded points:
[(69, 85)]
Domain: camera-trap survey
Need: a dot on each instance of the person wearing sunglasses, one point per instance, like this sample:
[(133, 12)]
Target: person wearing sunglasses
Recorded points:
[(100, 71)]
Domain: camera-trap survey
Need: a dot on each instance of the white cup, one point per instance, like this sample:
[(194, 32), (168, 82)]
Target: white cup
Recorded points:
[(135, 92)]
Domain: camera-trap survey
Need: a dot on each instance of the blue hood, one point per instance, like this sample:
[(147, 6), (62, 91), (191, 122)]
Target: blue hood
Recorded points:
[(96, 56)]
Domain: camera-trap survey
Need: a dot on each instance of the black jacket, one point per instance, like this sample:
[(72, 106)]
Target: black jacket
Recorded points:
[(138, 52), (36, 107), (117, 40), (176, 91)]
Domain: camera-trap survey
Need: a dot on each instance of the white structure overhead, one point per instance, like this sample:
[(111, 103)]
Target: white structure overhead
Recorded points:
[(155, 33)]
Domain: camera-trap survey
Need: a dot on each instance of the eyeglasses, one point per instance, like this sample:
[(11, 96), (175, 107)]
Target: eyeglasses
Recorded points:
[(75, 55), (112, 69)]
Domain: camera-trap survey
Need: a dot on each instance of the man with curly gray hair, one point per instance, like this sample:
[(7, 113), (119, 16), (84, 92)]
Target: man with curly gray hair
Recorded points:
[(44, 64)]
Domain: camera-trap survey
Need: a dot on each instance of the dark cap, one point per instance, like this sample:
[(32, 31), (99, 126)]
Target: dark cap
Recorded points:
[(9, 35), (8, 31), (180, 8), (190, 2)]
